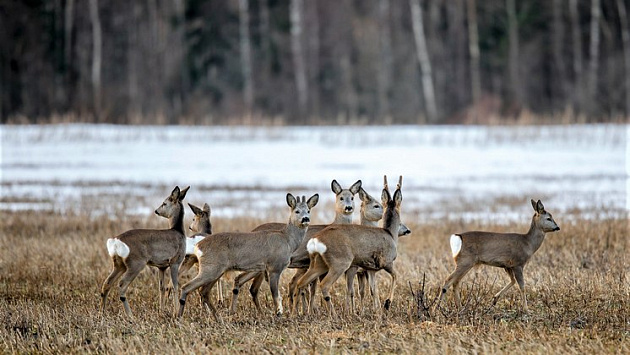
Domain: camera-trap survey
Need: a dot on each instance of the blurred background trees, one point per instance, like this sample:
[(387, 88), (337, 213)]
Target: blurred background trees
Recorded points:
[(314, 62)]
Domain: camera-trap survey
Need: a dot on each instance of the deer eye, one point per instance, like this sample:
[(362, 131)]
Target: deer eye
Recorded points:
[(549, 218), (297, 211), (341, 199), (375, 206)]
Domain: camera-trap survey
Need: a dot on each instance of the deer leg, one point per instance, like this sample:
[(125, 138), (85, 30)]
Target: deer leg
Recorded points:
[(293, 288), (390, 269), (206, 277), (114, 275), (162, 287), (312, 305), (274, 278), (453, 279), (317, 268), (362, 280), (132, 271), (350, 273), (510, 273), (175, 283), (239, 281), (255, 287), (371, 277), (518, 274), (328, 281)]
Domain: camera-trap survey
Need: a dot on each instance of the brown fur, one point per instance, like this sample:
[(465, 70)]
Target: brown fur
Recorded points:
[(161, 248), (510, 251), (253, 252), (354, 245)]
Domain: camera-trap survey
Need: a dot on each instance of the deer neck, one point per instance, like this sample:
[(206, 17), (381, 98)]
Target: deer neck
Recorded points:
[(341, 218), (177, 222), (391, 223), (294, 235), (535, 236), (366, 222)]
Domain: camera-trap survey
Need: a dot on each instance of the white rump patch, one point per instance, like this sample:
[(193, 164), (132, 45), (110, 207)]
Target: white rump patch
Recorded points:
[(456, 244), (191, 242), (117, 247), (315, 246), (197, 251)]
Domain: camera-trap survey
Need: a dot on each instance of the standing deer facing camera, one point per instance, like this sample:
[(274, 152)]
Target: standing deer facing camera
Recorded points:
[(339, 247), (509, 251), (161, 248)]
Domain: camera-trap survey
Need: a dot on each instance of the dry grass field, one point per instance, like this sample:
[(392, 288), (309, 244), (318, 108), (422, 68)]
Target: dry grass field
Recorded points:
[(578, 287)]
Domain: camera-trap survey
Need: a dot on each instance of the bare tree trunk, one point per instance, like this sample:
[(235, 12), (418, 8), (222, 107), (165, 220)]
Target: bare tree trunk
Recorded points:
[(69, 24), (133, 92), (314, 48), (593, 66), (515, 80), (425, 62), (578, 65), (299, 64), (473, 48), (96, 57), (558, 45), (246, 58), (384, 74), (625, 37)]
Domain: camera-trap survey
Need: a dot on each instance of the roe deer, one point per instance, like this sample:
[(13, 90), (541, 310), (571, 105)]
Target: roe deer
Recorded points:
[(337, 248), (254, 252), (509, 251), (201, 227), (371, 214), (161, 248), (344, 207)]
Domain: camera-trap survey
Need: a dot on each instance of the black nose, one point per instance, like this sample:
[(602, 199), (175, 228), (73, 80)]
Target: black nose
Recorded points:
[(348, 209), (156, 212), (407, 232), (306, 220), (557, 229)]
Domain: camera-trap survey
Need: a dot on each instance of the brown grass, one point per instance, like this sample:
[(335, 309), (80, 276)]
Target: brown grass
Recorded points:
[(52, 267)]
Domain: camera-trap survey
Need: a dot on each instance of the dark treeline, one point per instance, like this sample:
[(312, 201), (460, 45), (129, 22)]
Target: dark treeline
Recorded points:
[(313, 62)]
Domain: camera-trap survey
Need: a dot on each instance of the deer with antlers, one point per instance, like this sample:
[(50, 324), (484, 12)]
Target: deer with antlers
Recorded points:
[(337, 248)]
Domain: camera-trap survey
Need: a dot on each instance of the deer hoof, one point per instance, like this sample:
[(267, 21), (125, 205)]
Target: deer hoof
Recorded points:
[(388, 304)]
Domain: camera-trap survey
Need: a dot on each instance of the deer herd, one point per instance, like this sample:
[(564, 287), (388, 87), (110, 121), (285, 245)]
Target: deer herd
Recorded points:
[(321, 254)]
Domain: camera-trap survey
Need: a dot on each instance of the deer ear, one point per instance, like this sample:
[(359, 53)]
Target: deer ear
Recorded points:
[(385, 197), (196, 210), (398, 198), (312, 201), (363, 195), (355, 187), (335, 187), (291, 201), (539, 207), (175, 193), (206, 208), (182, 193)]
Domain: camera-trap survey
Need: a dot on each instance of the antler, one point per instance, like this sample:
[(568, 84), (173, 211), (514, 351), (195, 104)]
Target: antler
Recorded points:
[(399, 186), (385, 187)]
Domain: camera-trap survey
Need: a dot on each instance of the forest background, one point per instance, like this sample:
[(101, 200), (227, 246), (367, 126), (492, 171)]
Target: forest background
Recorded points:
[(302, 62)]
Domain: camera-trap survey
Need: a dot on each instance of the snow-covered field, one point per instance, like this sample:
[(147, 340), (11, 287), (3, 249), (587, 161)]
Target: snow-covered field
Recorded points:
[(449, 171)]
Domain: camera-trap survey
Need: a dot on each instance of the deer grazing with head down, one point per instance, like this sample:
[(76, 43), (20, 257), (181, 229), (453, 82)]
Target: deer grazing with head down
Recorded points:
[(337, 248), (254, 252), (510, 251), (161, 248), (344, 207)]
